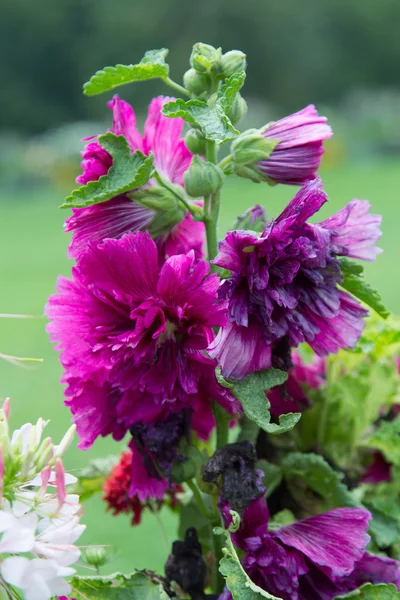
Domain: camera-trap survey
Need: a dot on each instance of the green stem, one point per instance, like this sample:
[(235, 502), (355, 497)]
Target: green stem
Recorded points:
[(226, 162), (194, 210), (199, 499), (211, 208), (221, 424), (177, 87), (218, 581)]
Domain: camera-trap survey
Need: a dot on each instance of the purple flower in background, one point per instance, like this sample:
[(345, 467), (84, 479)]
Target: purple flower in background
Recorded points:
[(162, 136), (314, 559), (297, 156), (133, 338), (284, 283)]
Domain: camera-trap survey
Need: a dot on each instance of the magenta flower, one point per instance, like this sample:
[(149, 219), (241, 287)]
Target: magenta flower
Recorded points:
[(162, 136), (297, 156), (284, 283), (314, 559), (134, 338)]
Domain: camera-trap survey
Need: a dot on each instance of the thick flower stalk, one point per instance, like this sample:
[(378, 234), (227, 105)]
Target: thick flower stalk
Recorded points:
[(39, 518)]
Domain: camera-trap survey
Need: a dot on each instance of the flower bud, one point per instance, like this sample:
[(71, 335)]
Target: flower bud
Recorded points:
[(97, 556), (204, 57), (254, 218), (247, 150), (231, 62), (196, 83), (168, 210), (195, 142), (202, 178), (238, 110)]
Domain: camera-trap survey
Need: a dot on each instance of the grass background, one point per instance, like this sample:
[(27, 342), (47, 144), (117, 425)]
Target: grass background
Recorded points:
[(34, 253)]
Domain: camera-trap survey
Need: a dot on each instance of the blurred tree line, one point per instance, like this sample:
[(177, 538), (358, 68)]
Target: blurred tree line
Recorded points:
[(298, 51)]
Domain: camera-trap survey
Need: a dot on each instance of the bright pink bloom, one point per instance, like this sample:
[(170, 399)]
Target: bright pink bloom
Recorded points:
[(134, 338), (163, 137), (297, 156)]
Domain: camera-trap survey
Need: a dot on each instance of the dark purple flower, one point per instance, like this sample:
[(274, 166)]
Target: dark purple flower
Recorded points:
[(134, 338), (297, 156), (379, 470), (284, 284), (314, 559), (111, 219)]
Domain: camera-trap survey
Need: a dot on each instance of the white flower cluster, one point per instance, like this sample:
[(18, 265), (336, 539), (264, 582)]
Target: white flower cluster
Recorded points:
[(39, 520)]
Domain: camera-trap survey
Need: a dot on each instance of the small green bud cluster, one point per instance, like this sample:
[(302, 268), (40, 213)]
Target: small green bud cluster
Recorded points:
[(208, 65), (203, 178)]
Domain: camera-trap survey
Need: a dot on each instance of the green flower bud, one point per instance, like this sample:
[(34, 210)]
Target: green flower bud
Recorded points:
[(251, 146), (97, 556), (204, 57), (202, 178), (197, 83), (238, 110), (231, 62), (195, 142), (168, 210)]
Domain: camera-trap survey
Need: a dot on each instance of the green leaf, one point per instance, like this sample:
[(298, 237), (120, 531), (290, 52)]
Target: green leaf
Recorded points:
[(128, 172), (369, 591), (386, 439), (272, 475), (211, 121), (238, 582), (190, 516), (313, 471), (91, 478), (354, 283), (228, 92), (383, 500), (384, 529), (118, 587), (250, 391), (151, 66)]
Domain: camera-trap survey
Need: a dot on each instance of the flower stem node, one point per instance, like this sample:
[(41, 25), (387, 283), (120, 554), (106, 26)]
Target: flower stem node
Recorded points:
[(195, 142), (203, 178), (231, 62), (204, 57), (247, 150), (197, 83)]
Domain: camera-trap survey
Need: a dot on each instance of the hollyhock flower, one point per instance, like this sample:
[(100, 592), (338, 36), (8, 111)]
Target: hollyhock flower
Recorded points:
[(284, 285), (314, 559), (117, 492), (297, 155), (133, 338), (291, 396), (111, 219)]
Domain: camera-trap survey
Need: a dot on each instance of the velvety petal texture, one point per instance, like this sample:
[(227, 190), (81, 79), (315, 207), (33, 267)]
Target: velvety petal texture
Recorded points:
[(297, 156), (284, 284), (133, 339), (111, 219), (318, 558)]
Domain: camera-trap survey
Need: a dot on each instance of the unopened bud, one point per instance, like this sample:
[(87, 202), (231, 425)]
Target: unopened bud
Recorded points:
[(44, 454), (202, 178), (197, 83), (6, 407), (231, 62), (97, 556), (195, 142), (204, 57), (168, 210), (66, 441), (238, 110)]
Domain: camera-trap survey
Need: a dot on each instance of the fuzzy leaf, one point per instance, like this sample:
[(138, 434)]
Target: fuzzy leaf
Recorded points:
[(313, 470), (369, 591), (118, 587), (151, 66), (238, 582), (386, 439), (383, 500), (128, 172), (91, 478), (250, 391), (354, 283), (227, 93), (211, 121)]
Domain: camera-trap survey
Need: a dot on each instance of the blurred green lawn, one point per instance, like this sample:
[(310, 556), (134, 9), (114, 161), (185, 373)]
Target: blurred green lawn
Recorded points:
[(34, 253)]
